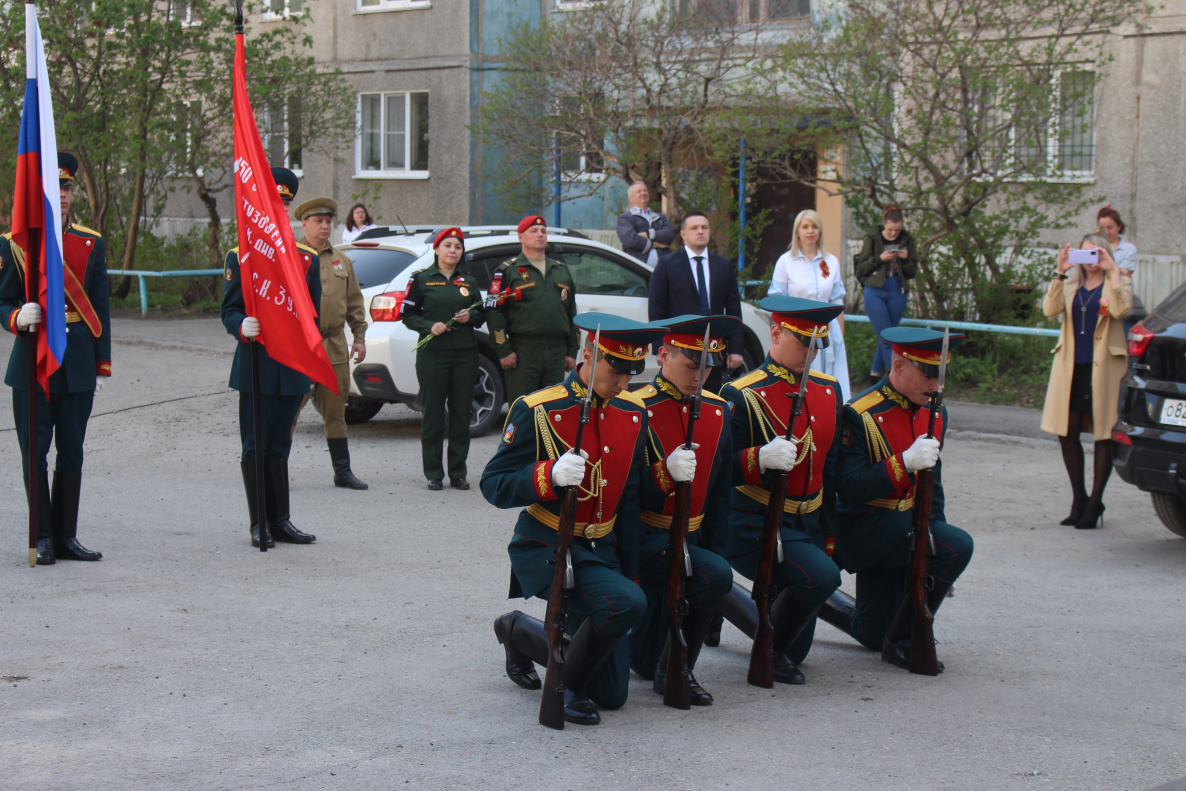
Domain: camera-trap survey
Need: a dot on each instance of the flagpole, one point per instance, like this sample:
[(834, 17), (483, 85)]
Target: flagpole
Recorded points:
[(33, 294), (257, 431)]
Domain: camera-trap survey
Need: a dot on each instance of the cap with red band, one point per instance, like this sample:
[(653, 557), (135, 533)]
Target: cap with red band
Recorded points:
[(920, 345), (801, 316), (687, 334), (531, 222), (623, 342)]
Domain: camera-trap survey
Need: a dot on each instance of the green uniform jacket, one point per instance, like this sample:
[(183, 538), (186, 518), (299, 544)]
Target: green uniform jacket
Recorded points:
[(539, 428), (876, 492), (873, 270), (341, 303), (761, 407), (274, 378), (666, 430), (86, 355), (529, 307), (432, 297)]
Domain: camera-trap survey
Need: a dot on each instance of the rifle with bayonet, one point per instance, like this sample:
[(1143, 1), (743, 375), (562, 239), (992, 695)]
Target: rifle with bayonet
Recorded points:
[(761, 658), (551, 705), (922, 639), (677, 692)]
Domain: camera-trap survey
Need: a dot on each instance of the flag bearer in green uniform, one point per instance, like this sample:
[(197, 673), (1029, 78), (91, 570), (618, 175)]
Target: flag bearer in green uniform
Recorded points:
[(762, 404), (281, 392), (341, 304), (444, 306), (532, 463), (533, 301), (709, 467), (85, 367), (883, 443)]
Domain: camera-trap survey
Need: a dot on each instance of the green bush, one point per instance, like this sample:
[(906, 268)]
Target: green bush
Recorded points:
[(176, 294)]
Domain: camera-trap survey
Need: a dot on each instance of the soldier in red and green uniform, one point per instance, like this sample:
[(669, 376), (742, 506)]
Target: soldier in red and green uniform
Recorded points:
[(709, 468), (883, 444), (532, 301), (62, 418), (762, 402), (529, 470)]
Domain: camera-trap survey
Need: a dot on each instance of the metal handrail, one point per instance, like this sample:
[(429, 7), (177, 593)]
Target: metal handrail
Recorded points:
[(145, 273)]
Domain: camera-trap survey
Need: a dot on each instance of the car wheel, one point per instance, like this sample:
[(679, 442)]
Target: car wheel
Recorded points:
[(489, 394), (1171, 510), (360, 410)]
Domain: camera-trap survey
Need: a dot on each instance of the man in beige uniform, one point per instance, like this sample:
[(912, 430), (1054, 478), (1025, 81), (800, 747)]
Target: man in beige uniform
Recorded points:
[(341, 304)]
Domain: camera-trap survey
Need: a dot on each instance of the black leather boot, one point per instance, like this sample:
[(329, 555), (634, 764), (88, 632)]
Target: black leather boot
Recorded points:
[(65, 496), (839, 610), (713, 638), (696, 624), (45, 528), (339, 454), (895, 648), (525, 641), (789, 618), (248, 469), (587, 651), (276, 472), (739, 609)]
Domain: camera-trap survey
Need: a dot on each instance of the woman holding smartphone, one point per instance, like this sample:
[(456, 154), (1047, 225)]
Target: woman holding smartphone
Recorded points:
[(884, 264), (1093, 295)]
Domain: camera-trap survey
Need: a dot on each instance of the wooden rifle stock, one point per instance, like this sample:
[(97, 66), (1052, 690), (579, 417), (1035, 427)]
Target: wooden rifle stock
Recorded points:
[(677, 691), (922, 639)]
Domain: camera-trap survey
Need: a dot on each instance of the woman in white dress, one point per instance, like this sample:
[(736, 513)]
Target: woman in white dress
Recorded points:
[(808, 271)]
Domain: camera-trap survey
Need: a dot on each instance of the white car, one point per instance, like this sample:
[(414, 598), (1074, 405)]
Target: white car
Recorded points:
[(384, 259)]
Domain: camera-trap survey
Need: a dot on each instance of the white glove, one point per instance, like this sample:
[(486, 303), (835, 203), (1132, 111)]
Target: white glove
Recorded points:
[(922, 455), (682, 463), (30, 314), (778, 454), (99, 382), (569, 469), (250, 327)]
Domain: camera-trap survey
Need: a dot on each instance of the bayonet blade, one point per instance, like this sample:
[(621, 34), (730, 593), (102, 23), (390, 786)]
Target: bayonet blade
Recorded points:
[(943, 358), (593, 365)]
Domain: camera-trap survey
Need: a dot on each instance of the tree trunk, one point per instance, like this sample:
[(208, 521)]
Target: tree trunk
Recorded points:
[(668, 180)]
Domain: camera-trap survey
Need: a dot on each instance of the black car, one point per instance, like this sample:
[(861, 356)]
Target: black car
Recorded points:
[(1149, 440)]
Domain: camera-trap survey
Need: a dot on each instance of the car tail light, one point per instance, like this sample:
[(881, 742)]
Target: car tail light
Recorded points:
[(386, 307), (365, 244), (1138, 340), (1121, 437)]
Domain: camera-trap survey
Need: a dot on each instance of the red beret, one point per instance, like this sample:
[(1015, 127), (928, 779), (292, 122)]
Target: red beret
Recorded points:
[(448, 233), (528, 222)]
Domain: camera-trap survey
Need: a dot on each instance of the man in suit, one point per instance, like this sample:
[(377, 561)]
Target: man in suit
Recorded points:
[(644, 234), (696, 281)]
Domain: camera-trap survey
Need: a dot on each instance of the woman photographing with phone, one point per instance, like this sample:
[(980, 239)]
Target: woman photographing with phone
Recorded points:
[(886, 261), (1093, 295)]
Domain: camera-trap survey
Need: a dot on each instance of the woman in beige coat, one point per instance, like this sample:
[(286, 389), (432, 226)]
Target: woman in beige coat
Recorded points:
[(1089, 361)]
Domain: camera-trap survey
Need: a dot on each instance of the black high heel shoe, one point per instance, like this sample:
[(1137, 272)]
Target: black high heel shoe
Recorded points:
[(1078, 506), (1092, 517)]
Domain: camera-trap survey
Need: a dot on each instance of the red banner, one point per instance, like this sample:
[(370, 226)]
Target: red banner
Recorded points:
[(273, 277)]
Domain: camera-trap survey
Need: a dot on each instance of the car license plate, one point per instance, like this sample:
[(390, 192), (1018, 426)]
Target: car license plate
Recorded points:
[(1173, 412)]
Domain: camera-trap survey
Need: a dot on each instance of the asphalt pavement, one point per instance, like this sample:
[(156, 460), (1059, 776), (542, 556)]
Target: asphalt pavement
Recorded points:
[(186, 659)]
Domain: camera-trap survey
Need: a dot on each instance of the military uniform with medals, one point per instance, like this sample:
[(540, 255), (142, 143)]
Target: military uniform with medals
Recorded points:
[(762, 402), (447, 365), (607, 601), (62, 418), (532, 316), (708, 525), (876, 494)]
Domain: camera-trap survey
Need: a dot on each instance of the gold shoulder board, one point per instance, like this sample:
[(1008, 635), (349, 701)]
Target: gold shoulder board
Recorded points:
[(544, 396), (707, 396), (84, 229), (823, 376), (867, 402), (632, 397), (752, 378)]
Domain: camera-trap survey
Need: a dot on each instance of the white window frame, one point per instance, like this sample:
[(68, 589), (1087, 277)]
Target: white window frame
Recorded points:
[(584, 175), (743, 11), (407, 173), (384, 6), (194, 110), (266, 134), (186, 15), (1053, 170), (270, 16)]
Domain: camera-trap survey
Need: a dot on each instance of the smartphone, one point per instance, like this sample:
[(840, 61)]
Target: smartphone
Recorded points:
[(1084, 256)]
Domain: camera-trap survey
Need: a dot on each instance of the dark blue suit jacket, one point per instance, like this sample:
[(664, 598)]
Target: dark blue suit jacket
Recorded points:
[(673, 291)]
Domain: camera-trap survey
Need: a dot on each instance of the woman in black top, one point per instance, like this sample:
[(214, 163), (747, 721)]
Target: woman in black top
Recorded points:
[(884, 264), (444, 305)]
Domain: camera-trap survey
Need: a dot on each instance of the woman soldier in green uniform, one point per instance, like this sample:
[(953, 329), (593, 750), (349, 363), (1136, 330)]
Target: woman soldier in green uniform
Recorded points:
[(444, 307)]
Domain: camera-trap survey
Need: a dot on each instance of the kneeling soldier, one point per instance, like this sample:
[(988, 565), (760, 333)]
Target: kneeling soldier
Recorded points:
[(532, 463), (883, 443), (709, 468), (762, 403)]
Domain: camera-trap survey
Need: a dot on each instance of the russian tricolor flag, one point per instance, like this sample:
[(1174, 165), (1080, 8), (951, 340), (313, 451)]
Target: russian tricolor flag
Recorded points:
[(36, 210)]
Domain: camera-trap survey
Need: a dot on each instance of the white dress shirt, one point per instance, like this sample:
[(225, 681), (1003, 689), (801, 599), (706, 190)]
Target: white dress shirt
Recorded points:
[(696, 270)]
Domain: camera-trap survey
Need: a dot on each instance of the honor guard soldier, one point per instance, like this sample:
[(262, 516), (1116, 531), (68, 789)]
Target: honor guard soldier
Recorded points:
[(534, 301), (341, 304), (709, 468), (762, 403), (883, 444), (85, 367), (532, 463), (281, 391)]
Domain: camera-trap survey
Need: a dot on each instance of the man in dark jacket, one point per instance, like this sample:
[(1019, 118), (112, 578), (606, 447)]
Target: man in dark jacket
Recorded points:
[(644, 234)]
